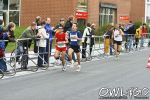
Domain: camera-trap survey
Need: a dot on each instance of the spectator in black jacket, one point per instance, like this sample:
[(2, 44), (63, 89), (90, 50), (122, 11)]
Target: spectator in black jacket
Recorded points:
[(68, 24)]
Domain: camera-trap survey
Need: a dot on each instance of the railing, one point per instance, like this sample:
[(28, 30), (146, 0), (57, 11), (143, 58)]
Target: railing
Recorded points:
[(29, 58)]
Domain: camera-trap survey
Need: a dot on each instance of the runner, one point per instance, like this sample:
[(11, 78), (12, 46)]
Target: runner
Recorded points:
[(117, 36), (60, 41), (75, 37)]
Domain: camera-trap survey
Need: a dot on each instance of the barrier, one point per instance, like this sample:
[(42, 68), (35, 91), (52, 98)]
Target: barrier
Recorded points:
[(97, 52)]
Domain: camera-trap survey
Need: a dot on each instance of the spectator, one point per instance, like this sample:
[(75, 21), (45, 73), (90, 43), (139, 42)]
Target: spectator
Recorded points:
[(92, 40), (42, 44), (143, 35), (107, 37), (49, 31), (38, 20), (138, 36), (131, 32), (3, 65), (23, 45), (68, 24), (85, 40), (60, 24), (9, 35)]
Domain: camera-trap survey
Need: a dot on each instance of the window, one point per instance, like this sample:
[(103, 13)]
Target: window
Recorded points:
[(10, 11), (5, 4), (14, 17), (107, 16), (14, 5)]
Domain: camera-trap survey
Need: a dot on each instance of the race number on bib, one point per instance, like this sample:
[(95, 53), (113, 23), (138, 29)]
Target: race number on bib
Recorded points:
[(61, 44), (73, 37)]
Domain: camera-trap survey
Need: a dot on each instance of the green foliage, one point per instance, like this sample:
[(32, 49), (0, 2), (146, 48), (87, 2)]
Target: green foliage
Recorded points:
[(149, 29), (138, 24), (83, 3), (101, 30), (18, 32), (81, 28)]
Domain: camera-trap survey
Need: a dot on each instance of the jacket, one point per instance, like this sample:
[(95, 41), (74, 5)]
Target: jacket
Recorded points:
[(49, 30), (43, 36), (28, 33), (86, 34)]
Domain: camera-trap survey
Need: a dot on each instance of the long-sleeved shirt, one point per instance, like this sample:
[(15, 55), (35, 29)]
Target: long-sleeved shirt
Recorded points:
[(49, 30), (43, 36)]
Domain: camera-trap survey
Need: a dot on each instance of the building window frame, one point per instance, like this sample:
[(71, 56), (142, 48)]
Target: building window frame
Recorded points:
[(8, 10), (107, 14)]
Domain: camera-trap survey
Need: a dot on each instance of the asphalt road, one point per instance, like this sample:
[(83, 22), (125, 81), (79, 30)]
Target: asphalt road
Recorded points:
[(129, 71)]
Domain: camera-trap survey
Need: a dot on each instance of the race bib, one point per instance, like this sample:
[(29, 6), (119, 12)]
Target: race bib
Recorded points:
[(73, 37), (61, 44)]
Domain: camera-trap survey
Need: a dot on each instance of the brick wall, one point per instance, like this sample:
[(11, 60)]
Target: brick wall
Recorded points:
[(55, 9), (137, 10), (132, 8)]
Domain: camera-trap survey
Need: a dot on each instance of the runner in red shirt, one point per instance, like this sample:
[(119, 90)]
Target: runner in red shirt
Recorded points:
[(60, 41)]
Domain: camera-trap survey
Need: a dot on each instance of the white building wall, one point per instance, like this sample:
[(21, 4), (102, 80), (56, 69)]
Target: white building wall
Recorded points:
[(147, 11)]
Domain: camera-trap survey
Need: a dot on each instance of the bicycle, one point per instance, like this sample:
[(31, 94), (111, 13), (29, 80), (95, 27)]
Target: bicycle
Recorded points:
[(9, 71), (22, 60)]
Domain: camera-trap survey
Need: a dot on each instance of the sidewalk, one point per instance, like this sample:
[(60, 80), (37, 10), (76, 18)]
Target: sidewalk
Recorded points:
[(52, 60)]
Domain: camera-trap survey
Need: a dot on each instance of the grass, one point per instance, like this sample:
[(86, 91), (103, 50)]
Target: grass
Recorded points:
[(18, 32)]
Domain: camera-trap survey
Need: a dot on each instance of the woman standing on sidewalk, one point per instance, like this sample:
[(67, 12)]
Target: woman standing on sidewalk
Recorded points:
[(42, 44), (143, 35), (117, 36)]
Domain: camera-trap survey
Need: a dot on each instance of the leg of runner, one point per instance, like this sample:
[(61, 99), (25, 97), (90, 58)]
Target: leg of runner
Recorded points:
[(57, 55), (63, 60), (70, 51), (115, 47), (119, 49), (78, 58)]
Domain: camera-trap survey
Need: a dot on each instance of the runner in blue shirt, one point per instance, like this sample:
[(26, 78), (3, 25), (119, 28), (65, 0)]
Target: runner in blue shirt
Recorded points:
[(75, 37)]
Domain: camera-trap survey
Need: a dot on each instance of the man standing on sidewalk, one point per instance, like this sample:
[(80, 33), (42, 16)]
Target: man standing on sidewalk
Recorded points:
[(23, 45), (49, 30), (85, 40)]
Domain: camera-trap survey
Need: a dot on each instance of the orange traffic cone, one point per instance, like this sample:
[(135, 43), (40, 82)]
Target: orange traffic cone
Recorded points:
[(148, 64)]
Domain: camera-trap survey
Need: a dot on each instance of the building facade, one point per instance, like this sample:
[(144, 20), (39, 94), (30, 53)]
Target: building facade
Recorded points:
[(23, 12), (101, 12), (104, 12), (147, 11)]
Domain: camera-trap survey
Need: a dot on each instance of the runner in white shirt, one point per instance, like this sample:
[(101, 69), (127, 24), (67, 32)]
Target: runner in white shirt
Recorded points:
[(118, 37)]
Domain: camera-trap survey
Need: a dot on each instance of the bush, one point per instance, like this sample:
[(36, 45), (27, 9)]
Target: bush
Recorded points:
[(101, 30), (138, 24), (18, 32), (81, 28)]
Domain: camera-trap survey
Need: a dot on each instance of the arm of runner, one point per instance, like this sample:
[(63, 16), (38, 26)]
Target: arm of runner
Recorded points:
[(121, 32)]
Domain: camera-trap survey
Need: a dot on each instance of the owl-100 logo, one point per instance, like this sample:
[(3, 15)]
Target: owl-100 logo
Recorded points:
[(121, 93)]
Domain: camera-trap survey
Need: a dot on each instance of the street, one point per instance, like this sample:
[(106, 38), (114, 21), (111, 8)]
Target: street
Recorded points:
[(129, 71)]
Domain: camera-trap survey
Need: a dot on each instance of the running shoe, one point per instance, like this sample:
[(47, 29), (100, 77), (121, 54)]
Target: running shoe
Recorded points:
[(78, 68)]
